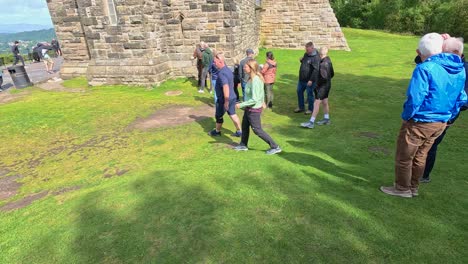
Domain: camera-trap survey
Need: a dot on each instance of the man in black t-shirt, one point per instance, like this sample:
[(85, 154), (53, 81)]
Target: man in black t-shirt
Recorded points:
[(226, 98)]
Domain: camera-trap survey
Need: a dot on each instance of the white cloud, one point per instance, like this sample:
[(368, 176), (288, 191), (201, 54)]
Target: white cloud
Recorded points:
[(24, 12)]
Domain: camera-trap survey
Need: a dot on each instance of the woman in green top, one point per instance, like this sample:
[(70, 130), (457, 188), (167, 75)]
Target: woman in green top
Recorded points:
[(253, 106)]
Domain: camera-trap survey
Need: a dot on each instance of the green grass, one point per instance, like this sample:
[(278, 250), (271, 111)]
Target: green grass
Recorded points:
[(188, 198)]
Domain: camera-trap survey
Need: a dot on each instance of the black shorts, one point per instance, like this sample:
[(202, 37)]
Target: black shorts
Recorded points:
[(321, 92), (220, 110)]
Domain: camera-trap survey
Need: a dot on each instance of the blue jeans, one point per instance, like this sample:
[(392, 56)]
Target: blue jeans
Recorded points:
[(243, 84), (213, 83), (301, 87)]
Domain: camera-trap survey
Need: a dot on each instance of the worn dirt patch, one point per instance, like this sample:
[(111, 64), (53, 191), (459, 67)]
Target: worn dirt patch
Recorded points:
[(368, 134), (116, 172), (173, 93), (379, 150), (57, 86), (9, 186), (23, 202), (173, 116), (6, 96), (66, 189)]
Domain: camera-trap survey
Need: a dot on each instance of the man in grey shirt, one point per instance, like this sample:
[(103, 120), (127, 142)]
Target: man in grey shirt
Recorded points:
[(243, 77)]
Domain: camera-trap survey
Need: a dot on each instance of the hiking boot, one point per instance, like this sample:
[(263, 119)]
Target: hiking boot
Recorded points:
[(307, 125), (237, 134), (308, 112), (391, 190), (214, 133), (241, 148), (425, 180), (273, 151), (414, 192), (323, 122), (298, 110)]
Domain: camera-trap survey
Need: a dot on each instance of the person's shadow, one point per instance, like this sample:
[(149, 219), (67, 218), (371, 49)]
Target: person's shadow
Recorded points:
[(207, 124)]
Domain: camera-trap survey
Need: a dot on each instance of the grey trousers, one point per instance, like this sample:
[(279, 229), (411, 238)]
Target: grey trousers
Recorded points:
[(269, 94)]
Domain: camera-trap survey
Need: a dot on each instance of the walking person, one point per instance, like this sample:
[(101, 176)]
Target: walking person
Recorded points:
[(207, 59), (198, 55), (253, 106), (16, 53), (269, 75), (308, 76), (435, 95), (243, 76), (49, 63), (322, 91), (225, 97), (455, 46)]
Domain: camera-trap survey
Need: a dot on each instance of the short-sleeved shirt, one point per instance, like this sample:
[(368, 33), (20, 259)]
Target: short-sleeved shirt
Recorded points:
[(225, 76)]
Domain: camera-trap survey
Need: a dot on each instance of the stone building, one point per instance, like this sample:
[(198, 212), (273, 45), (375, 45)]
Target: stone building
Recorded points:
[(149, 41)]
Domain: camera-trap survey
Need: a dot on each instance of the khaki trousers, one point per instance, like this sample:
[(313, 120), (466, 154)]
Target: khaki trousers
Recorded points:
[(414, 142)]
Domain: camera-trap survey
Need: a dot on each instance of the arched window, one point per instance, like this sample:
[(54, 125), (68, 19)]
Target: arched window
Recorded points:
[(109, 9)]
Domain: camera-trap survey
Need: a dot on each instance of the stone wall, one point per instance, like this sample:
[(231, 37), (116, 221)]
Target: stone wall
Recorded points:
[(292, 23), (153, 40), (67, 22)]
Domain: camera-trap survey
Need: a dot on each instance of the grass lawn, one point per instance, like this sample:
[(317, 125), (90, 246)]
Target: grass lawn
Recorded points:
[(176, 195)]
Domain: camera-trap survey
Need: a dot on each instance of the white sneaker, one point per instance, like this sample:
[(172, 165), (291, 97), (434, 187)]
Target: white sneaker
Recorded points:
[(201, 91), (307, 125)]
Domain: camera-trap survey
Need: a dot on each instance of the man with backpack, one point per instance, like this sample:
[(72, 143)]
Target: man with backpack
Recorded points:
[(207, 59), (326, 73), (16, 53)]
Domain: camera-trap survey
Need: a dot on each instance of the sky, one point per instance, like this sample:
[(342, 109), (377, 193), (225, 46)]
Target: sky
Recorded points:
[(24, 12)]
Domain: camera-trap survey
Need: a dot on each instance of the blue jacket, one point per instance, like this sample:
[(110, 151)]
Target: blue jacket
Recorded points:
[(436, 90)]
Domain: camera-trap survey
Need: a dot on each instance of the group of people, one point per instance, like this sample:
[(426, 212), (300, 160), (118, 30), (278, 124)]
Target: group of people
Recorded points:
[(257, 83), (39, 52), (436, 94)]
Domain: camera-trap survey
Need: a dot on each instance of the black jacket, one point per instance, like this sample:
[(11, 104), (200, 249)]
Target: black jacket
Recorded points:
[(326, 73), (309, 70), (15, 50)]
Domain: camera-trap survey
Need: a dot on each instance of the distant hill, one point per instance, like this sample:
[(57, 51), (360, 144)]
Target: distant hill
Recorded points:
[(17, 28), (28, 39)]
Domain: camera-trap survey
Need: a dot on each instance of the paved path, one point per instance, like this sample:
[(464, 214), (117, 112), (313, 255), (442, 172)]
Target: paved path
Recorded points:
[(36, 72)]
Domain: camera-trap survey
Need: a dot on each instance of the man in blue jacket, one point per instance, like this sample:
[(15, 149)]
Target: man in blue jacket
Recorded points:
[(434, 96)]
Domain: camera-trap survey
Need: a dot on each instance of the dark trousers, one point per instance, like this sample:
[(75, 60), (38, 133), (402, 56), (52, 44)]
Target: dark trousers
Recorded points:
[(414, 142), (431, 155), (1, 81), (252, 120), (18, 58), (199, 69), (204, 77), (301, 87), (236, 90)]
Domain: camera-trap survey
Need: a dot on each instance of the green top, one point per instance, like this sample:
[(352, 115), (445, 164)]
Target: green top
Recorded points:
[(254, 94)]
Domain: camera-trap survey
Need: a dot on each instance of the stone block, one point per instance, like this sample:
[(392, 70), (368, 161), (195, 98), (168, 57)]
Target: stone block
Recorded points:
[(210, 8)]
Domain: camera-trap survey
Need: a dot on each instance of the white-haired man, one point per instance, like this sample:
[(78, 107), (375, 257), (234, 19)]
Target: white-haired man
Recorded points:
[(455, 46), (434, 96)]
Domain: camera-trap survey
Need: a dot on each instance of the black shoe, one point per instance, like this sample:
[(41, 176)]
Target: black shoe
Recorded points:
[(214, 133)]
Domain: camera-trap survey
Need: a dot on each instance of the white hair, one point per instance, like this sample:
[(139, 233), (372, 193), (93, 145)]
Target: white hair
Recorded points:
[(430, 44), (453, 45)]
